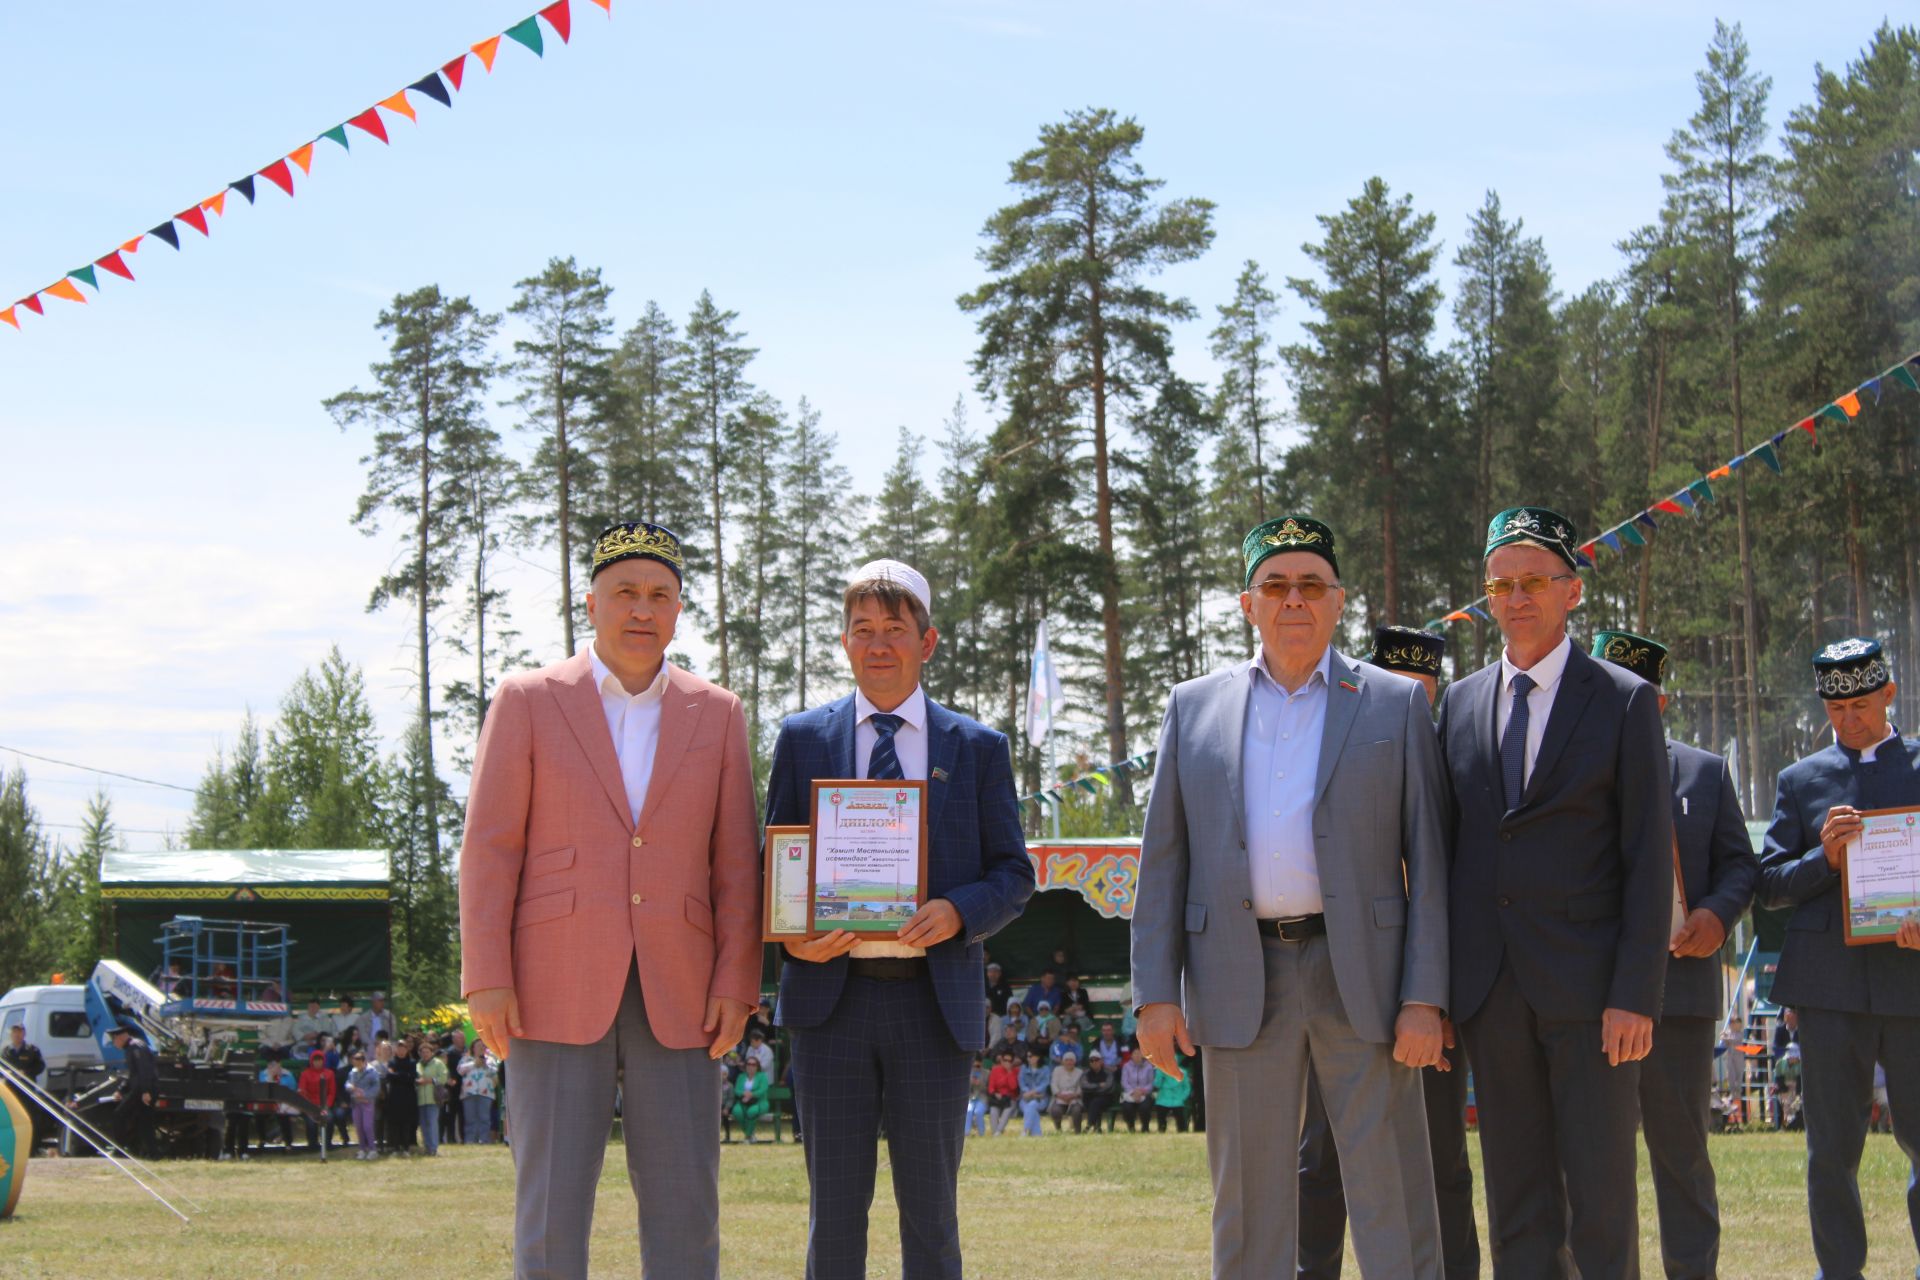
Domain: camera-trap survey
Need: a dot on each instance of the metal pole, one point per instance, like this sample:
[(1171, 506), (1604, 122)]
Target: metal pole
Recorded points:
[(58, 1106), (1052, 774), (106, 1146)]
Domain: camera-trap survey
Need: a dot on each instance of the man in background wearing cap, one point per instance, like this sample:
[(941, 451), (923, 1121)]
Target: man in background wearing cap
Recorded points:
[(133, 1114), (1292, 917), (888, 1030), (1857, 1004), (610, 918), (1718, 872), (1417, 655), (1561, 903)]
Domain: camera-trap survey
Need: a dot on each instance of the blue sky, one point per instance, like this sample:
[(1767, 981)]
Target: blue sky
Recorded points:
[(174, 542)]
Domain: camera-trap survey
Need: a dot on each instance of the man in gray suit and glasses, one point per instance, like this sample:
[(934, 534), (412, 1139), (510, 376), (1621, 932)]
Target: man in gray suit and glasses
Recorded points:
[(1292, 913)]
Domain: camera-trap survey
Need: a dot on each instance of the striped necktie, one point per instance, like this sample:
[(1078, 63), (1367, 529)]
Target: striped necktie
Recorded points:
[(884, 764)]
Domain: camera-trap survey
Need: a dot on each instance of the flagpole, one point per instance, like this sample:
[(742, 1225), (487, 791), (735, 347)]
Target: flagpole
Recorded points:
[(1053, 777)]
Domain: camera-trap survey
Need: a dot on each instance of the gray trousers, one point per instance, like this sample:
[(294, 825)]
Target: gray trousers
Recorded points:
[(1256, 1098), (561, 1097), (1676, 1090), (1838, 1051)]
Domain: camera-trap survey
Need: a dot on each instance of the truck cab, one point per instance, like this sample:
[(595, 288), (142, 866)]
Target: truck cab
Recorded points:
[(56, 1019)]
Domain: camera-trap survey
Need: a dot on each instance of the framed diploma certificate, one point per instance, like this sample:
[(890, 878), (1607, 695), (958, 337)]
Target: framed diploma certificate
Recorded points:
[(789, 877), (1880, 875), (869, 847)]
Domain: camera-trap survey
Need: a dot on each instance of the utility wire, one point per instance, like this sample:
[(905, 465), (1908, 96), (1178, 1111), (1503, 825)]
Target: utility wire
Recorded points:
[(68, 764)]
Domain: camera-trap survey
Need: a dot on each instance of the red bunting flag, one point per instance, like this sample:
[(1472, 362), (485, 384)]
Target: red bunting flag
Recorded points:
[(455, 69), (369, 122), (398, 104), (1806, 425), (8, 316), (279, 175), (1850, 404), (193, 218), (1670, 506), (66, 289), (486, 50), (560, 19), (32, 303), (114, 263), (303, 156)]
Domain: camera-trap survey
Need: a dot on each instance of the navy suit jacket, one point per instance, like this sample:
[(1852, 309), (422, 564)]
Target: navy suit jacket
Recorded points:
[(976, 853), (1716, 864), (1575, 883), (1818, 970)]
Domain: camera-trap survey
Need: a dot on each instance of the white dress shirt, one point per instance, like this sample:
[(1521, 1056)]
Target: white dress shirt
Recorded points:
[(1279, 757), (910, 744), (634, 721), (1871, 753), (1546, 675)]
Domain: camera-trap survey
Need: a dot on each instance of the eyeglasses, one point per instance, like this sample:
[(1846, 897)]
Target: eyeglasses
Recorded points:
[(1281, 588), (1531, 584)]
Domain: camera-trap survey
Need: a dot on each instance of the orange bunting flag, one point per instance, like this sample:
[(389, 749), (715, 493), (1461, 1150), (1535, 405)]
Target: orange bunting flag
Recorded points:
[(607, 5), (1850, 404), (216, 203), (193, 218), (303, 156), (133, 245), (66, 289), (1720, 473), (486, 50), (398, 103), (114, 263), (10, 318)]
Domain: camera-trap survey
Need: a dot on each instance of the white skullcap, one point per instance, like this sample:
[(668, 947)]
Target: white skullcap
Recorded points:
[(900, 575)]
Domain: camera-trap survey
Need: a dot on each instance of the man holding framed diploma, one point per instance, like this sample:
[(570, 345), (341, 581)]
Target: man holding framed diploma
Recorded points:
[(906, 828), (1844, 865)]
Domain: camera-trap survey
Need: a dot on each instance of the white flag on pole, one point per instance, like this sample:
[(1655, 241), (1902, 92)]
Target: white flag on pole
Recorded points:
[(1044, 698)]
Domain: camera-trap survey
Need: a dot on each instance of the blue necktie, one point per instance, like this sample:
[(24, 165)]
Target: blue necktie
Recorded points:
[(885, 761), (1513, 747)]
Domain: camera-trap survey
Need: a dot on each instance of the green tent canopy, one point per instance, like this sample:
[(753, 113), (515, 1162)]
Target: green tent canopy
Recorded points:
[(336, 904)]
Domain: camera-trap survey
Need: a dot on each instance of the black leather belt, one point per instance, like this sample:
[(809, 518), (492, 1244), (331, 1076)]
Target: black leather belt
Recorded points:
[(887, 968), (1298, 930)]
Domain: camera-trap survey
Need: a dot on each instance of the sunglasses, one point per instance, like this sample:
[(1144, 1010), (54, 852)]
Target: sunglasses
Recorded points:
[(1281, 588), (1531, 584)]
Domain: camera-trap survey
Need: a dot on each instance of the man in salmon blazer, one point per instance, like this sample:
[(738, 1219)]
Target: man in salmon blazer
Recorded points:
[(610, 918)]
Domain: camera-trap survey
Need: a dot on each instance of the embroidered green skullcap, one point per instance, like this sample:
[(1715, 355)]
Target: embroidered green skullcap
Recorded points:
[(1645, 658), (1534, 527), (1288, 533)]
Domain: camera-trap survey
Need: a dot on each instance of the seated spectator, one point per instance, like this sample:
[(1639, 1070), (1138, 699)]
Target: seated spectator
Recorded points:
[(760, 1051), (281, 1118), (318, 1086), (1003, 1089), (309, 1027), (344, 1018), (1008, 1042), (1136, 1092), (363, 1087), (1065, 1086), (761, 1020), (1076, 993), (1036, 1084), (1044, 1025), (1067, 1042), (478, 1081), (999, 993), (977, 1097), (1170, 1097), (1107, 1049), (1061, 965), (1044, 992), (1099, 1087), (749, 1096), (1015, 1026)]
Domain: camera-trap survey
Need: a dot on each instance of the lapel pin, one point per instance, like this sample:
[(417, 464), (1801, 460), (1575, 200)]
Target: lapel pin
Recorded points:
[(939, 775), (1350, 688)]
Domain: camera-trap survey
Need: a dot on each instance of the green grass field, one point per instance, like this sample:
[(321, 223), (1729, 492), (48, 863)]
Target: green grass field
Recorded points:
[(1143, 1202)]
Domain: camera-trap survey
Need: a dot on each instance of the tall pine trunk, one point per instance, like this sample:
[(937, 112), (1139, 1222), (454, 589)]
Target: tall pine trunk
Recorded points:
[(1103, 520), (422, 531)]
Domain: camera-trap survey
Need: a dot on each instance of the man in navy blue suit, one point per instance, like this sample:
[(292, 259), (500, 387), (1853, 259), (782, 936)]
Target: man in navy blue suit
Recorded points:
[(888, 1030)]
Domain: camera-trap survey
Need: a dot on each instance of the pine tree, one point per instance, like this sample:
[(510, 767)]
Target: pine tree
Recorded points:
[(712, 390), (752, 493), (79, 936), (646, 448), (563, 367), (904, 522), (1068, 325), (324, 775), (25, 854), (227, 803), (486, 480), (1243, 344), (817, 517)]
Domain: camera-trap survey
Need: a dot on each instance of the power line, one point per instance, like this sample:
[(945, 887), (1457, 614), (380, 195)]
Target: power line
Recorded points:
[(68, 764), (117, 829)]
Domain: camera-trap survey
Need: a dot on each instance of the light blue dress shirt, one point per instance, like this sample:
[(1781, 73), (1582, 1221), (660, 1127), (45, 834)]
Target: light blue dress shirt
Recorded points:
[(1279, 756)]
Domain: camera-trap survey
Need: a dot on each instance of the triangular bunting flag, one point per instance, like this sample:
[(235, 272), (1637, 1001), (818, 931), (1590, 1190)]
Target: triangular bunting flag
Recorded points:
[(115, 263), (166, 232), (1586, 561), (1738, 462), (1646, 518), (1686, 499), (369, 121), (1838, 414), (131, 246), (1613, 542), (607, 5), (1701, 490), (1904, 376), (1806, 425), (85, 275), (279, 175), (527, 32), (8, 316), (1850, 404), (303, 156), (400, 106), (1478, 612), (561, 20), (1767, 455), (244, 186), (1873, 385), (455, 69), (218, 204), (339, 134), (487, 49), (1633, 535), (32, 303), (430, 85), (1720, 473), (194, 218), (1588, 551), (1778, 437), (66, 289), (1669, 506)]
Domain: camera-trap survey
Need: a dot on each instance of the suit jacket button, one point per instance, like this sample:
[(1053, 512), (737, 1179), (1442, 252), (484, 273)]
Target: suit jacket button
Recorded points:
[(637, 842), (1246, 904), (1504, 835), (639, 898), (1505, 902)]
